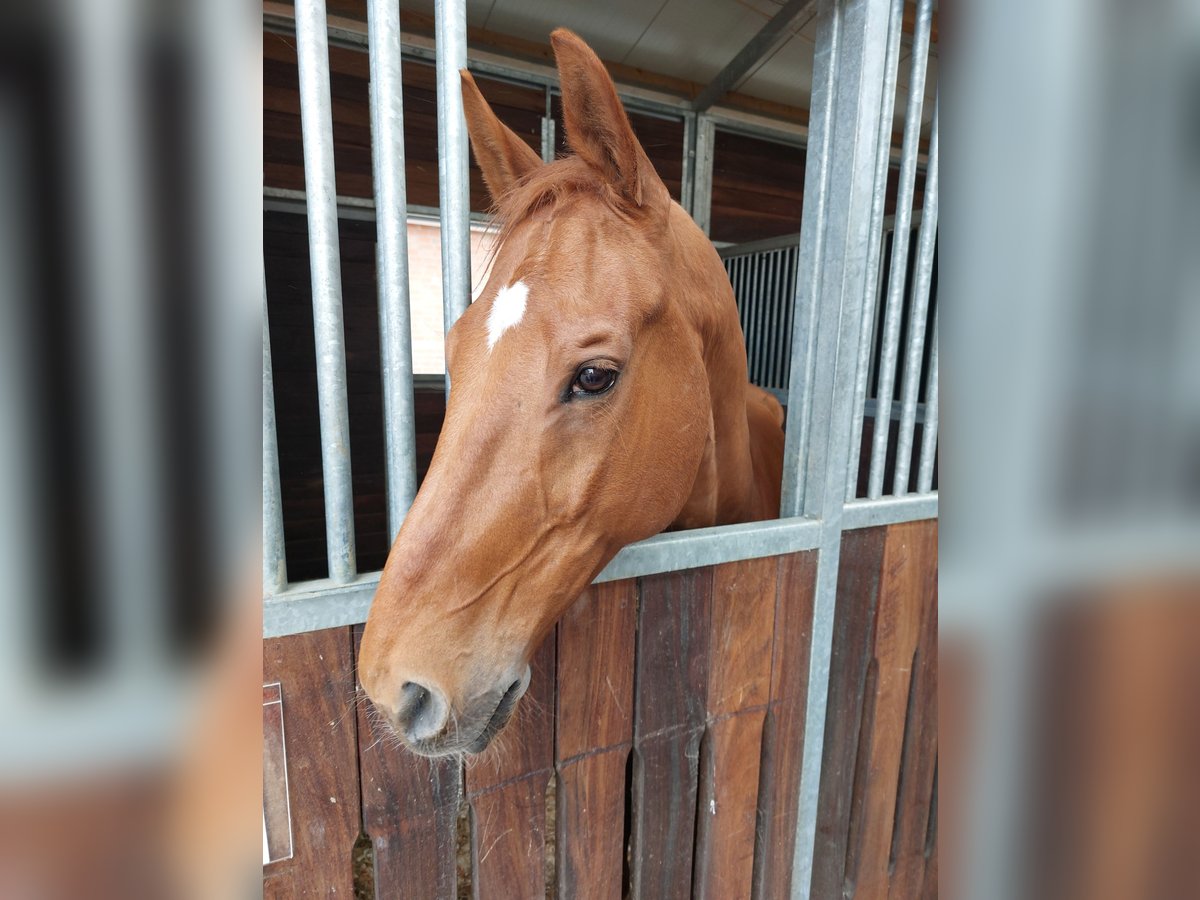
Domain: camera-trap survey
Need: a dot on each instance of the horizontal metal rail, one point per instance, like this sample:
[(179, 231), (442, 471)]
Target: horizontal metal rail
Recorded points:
[(889, 511), (314, 605)]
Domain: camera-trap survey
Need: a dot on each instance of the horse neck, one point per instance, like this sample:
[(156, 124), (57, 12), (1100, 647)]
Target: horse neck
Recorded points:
[(712, 310)]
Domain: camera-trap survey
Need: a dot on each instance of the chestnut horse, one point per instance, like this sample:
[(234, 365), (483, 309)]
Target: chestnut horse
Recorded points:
[(599, 397)]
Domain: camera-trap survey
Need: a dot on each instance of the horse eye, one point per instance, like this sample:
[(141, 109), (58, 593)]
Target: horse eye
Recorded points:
[(593, 380)]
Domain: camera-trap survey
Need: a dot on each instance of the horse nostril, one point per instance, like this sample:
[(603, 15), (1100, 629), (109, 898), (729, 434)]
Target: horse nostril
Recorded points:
[(413, 698), (420, 715)]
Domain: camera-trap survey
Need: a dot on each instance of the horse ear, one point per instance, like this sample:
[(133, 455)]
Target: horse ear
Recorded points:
[(503, 157), (598, 129)]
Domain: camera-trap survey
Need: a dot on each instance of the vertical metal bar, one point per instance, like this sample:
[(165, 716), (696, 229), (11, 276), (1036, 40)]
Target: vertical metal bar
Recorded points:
[(688, 180), (316, 121), (900, 240), (783, 300), (875, 241), (843, 133), (768, 348), (758, 262), (702, 187), (450, 35), (391, 230), (789, 312), (910, 386), (121, 388), (929, 434), (274, 557)]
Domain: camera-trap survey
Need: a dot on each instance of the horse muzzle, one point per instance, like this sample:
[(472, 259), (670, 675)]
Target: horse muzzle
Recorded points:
[(429, 725)]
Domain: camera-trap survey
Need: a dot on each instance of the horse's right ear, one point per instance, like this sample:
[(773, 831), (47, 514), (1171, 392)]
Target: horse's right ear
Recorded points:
[(503, 157)]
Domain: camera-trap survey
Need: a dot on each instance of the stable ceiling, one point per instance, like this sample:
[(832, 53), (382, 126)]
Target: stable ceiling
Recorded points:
[(686, 39)]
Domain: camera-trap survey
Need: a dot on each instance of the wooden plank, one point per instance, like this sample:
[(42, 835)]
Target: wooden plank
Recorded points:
[(672, 677), (315, 675), (783, 734), (858, 593), (909, 567), (409, 811), (739, 688), (506, 787), (919, 760), (594, 715)]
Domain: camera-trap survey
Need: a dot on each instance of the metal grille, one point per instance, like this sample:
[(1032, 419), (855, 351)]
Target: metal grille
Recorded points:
[(763, 275)]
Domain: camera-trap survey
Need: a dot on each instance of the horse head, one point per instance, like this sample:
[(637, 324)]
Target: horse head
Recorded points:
[(597, 397)]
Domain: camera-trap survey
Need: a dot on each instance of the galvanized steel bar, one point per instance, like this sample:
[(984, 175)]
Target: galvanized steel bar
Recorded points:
[(758, 264), (929, 433), (922, 278), (688, 180), (784, 301), (391, 230), (847, 93), (891, 67), (702, 183), (322, 604), (274, 557), (122, 393), (768, 347), (450, 33), (316, 122), (900, 240), (889, 511)]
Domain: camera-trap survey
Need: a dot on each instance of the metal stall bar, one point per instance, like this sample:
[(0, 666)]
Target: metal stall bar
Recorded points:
[(847, 93), (702, 179), (891, 67), (917, 317), (274, 558), (123, 474), (900, 239), (316, 126), (688, 179), (454, 186), (929, 435), (391, 236)]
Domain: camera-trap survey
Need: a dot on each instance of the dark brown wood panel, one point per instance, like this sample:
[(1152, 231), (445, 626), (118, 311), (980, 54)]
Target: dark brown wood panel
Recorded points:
[(672, 679), (506, 787), (409, 811), (918, 765), (739, 688), (783, 733), (594, 719), (858, 593), (315, 674), (908, 574)]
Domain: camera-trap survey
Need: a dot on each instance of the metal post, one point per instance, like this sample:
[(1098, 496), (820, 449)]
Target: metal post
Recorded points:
[(688, 180), (122, 390), (391, 230), (917, 317), (702, 188), (843, 133), (900, 239), (274, 558), (316, 121), (548, 136), (929, 435), (875, 241), (450, 35)]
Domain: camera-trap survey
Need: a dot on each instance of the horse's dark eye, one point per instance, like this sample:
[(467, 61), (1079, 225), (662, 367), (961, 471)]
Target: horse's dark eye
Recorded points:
[(593, 380)]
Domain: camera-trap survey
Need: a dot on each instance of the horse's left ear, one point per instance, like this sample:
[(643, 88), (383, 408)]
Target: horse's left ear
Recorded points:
[(503, 157), (598, 129)]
